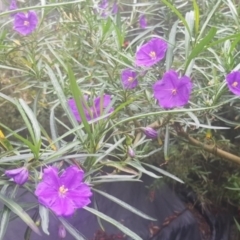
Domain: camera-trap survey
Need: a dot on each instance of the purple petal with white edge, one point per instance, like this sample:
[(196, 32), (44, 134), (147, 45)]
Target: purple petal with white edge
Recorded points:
[(71, 178), (233, 82)]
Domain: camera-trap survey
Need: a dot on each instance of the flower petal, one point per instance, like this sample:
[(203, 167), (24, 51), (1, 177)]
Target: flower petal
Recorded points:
[(71, 178), (63, 206), (47, 196), (233, 82), (80, 196)]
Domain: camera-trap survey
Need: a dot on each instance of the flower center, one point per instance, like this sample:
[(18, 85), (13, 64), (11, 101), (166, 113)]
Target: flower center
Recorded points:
[(152, 54), (62, 191), (235, 84), (174, 91), (26, 23), (130, 79)]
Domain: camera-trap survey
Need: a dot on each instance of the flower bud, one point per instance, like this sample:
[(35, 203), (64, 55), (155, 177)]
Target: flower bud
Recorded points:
[(61, 231), (19, 175), (150, 132), (131, 153)]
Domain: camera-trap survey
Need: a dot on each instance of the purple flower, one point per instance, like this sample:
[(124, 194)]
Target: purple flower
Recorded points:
[(99, 104), (63, 194), (151, 52), (142, 21), (103, 4), (114, 8), (19, 175), (233, 82), (129, 78), (62, 231), (25, 23), (150, 132), (172, 91), (13, 5)]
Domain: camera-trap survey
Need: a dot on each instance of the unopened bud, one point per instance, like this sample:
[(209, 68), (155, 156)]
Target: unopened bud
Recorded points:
[(150, 132), (131, 153), (61, 231)]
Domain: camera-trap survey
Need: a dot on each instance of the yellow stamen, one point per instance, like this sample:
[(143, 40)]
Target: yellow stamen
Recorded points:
[(152, 54), (62, 191), (174, 91), (235, 84), (130, 79), (26, 23)]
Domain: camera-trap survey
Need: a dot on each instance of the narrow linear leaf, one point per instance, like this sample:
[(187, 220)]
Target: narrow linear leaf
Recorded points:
[(4, 222), (171, 45), (209, 16), (138, 166), (110, 150), (78, 97), (201, 45), (18, 210), (44, 215), (163, 172), (74, 232), (166, 143), (196, 16), (117, 224), (33, 120), (125, 205), (168, 4)]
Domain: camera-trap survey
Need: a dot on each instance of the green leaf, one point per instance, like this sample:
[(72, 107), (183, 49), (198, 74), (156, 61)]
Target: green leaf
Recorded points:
[(168, 4), (117, 224), (166, 144), (238, 226), (33, 120), (171, 45), (139, 167), (163, 172), (209, 16), (62, 99), (44, 215), (196, 16), (201, 45), (110, 149), (125, 205), (73, 231), (15, 208), (4, 222), (79, 99)]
